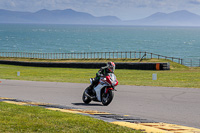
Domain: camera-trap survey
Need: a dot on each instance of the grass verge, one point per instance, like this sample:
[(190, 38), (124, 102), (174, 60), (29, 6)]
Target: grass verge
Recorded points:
[(82, 60), (178, 76), (16, 118)]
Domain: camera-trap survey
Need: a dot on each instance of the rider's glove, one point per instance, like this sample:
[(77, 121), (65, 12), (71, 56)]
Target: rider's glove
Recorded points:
[(101, 75)]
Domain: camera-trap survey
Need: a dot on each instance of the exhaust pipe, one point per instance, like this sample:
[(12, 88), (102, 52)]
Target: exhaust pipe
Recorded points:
[(89, 96)]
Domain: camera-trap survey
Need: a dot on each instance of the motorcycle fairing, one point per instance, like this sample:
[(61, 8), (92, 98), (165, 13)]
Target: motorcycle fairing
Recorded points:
[(105, 81), (98, 91)]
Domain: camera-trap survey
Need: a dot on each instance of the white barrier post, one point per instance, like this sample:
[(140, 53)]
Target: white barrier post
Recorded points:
[(18, 73), (154, 76)]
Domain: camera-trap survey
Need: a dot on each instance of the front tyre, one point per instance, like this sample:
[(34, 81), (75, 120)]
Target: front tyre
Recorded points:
[(85, 98), (107, 98)]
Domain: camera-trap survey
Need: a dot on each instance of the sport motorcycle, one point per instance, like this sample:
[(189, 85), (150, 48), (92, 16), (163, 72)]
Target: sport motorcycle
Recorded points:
[(103, 92)]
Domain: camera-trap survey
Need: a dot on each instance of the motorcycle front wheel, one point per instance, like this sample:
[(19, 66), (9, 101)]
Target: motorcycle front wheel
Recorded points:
[(85, 98), (107, 97)]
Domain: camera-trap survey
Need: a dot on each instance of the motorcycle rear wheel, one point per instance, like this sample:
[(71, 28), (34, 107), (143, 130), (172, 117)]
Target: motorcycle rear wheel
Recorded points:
[(107, 98), (85, 98)]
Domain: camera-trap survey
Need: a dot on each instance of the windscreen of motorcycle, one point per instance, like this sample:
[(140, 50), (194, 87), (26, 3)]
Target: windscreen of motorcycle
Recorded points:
[(113, 79)]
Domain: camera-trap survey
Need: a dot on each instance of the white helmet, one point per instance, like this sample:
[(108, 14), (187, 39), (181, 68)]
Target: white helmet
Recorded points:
[(111, 66)]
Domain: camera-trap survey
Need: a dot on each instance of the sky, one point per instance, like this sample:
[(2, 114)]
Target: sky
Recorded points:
[(123, 9)]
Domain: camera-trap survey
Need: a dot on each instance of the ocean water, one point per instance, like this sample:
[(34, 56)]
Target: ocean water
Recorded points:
[(180, 42)]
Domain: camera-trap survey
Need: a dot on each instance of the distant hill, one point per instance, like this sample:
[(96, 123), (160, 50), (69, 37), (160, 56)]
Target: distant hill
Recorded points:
[(44, 16), (69, 16), (178, 18)]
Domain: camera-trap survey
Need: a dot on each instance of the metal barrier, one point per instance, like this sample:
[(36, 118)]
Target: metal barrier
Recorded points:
[(193, 62), (100, 55)]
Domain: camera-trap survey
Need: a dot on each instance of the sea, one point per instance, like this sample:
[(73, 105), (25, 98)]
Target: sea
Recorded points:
[(180, 42)]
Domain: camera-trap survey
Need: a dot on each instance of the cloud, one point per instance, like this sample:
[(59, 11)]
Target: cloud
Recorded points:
[(7, 4), (33, 5), (195, 2)]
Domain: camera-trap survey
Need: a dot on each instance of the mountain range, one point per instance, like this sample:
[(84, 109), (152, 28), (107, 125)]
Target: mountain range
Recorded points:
[(69, 16), (177, 18), (44, 16)]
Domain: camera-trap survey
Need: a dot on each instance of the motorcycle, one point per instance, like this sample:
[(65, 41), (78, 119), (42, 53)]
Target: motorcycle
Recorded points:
[(103, 92)]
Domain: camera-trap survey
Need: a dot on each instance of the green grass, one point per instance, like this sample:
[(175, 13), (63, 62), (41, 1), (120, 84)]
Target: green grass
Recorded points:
[(19, 119), (178, 76), (173, 78)]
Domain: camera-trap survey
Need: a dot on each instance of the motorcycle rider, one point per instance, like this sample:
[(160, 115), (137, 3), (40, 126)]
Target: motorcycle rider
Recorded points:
[(110, 68)]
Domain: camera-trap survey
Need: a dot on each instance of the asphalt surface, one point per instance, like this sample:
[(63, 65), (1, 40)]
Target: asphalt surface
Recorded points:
[(163, 104)]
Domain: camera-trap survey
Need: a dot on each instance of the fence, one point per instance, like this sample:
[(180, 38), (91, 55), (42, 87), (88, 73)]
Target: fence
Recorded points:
[(192, 62), (96, 55)]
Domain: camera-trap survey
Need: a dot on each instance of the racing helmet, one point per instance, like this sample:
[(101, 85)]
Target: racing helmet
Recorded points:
[(111, 66)]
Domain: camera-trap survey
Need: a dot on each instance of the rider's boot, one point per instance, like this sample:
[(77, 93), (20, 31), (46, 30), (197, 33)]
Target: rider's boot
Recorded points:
[(90, 92), (91, 87)]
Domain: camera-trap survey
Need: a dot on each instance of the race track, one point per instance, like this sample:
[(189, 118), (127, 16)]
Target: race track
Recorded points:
[(164, 104)]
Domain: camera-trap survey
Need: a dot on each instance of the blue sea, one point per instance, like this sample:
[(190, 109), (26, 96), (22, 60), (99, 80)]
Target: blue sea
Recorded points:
[(180, 42)]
